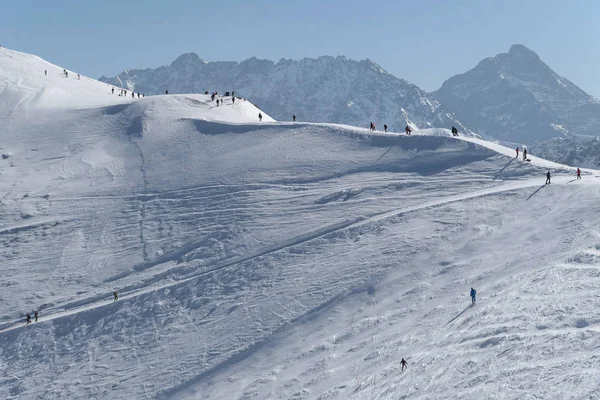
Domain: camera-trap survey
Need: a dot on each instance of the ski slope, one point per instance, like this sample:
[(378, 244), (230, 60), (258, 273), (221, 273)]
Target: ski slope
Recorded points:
[(280, 260)]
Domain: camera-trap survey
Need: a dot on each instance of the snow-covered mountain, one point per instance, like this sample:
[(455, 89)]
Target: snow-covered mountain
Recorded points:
[(325, 89), (578, 151), (515, 96), (279, 260)]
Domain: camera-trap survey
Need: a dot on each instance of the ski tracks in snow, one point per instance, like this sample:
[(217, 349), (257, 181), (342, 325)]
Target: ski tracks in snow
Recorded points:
[(156, 283)]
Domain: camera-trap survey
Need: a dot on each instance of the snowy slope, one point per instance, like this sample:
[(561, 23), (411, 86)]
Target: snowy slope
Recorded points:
[(516, 96), (280, 260), (326, 89)]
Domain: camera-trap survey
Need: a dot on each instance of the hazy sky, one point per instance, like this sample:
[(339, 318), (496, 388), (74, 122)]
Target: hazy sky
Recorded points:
[(423, 41)]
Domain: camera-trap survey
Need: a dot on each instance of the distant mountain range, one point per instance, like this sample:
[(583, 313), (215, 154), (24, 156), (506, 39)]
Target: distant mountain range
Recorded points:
[(513, 96), (326, 89)]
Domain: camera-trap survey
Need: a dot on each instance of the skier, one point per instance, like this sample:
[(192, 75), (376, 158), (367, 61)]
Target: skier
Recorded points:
[(115, 295), (133, 95), (473, 293), (113, 90), (28, 319), (45, 72), (233, 100), (167, 91), (524, 154), (259, 115), (385, 127), (66, 74), (404, 364), (578, 173), (517, 152), (125, 93), (294, 117), (548, 178), (217, 102), (35, 315), (407, 130)]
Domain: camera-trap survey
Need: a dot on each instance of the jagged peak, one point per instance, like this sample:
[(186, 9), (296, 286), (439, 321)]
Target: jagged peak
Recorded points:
[(521, 50), (186, 59)]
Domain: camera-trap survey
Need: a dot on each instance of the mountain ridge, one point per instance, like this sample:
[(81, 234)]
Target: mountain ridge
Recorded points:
[(516, 96), (324, 89)]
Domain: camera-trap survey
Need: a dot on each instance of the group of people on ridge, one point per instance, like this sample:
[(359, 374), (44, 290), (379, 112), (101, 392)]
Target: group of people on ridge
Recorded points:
[(407, 129)]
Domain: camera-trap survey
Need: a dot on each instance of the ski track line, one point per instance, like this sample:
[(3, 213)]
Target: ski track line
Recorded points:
[(93, 302)]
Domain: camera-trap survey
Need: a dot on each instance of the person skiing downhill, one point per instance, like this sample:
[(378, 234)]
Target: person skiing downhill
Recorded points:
[(578, 173), (473, 293), (404, 364), (28, 319), (548, 178), (517, 152)]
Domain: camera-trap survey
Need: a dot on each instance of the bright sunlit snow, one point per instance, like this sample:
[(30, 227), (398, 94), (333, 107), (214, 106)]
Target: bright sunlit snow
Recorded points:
[(266, 260)]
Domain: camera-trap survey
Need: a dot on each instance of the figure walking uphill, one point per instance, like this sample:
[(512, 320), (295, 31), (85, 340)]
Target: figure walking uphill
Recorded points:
[(548, 178), (473, 294), (115, 295)]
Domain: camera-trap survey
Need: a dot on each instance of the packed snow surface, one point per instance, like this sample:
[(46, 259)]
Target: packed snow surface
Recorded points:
[(266, 260)]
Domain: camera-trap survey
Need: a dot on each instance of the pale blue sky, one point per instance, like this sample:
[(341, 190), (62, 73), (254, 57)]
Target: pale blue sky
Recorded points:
[(423, 41)]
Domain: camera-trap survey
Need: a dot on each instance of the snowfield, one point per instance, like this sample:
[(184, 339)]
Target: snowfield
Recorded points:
[(267, 260)]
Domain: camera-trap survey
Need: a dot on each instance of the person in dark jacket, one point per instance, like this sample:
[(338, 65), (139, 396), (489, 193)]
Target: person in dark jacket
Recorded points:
[(404, 364), (548, 178), (473, 294), (260, 116), (115, 295), (28, 319), (294, 117), (385, 127), (35, 315)]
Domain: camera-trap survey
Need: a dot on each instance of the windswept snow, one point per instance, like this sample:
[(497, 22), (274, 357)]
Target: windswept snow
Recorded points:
[(276, 260)]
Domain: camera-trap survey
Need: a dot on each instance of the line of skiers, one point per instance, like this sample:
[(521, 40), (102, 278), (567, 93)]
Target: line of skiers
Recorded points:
[(373, 128)]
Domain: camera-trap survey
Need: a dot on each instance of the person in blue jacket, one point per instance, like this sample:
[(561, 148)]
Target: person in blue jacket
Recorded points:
[(473, 293)]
